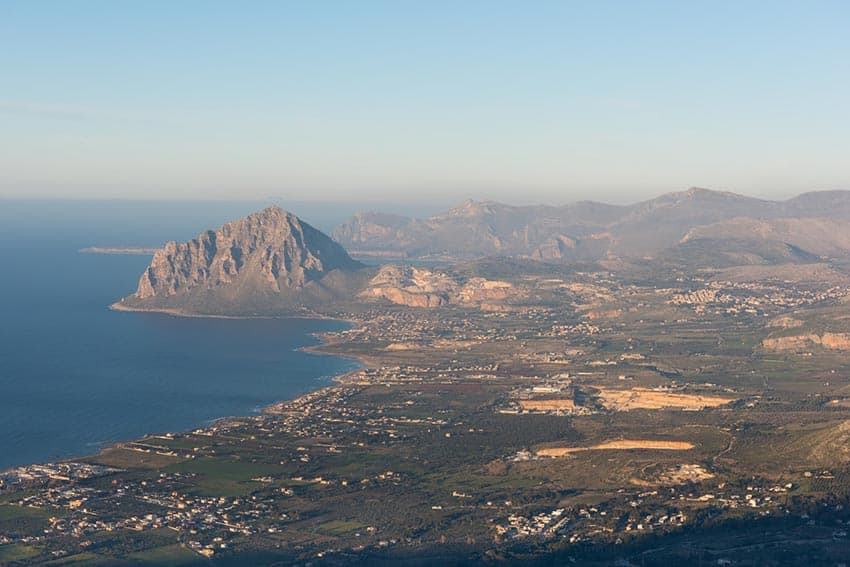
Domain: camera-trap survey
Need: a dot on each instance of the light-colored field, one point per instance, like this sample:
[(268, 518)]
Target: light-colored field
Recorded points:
[(644, 398), (619, 444), (681, 474), (547, 405), (678, 474), (404, 346), (444, 343), (438, 344)]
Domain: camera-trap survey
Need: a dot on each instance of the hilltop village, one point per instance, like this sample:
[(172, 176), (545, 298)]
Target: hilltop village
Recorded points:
[(589, 417)]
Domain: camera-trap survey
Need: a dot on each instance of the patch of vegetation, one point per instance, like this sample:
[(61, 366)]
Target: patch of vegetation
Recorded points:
[(166, 556), (13, 553)]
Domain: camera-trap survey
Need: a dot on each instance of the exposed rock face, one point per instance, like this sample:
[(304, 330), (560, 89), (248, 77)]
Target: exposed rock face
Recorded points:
[(836, 341), (555, 248), (480, 290), (419, 287), (410, 286), (365, 228), (402, 296), (265, 254)]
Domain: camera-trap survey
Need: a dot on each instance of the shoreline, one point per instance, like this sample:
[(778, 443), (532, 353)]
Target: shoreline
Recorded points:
[(118, 306), (120, 250), (334, 381)]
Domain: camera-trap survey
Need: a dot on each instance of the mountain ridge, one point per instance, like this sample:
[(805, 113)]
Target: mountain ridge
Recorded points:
[(586, 230)]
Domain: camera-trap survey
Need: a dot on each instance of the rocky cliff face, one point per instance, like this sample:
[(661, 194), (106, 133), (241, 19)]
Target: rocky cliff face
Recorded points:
[(266, 254), (835, 341), (478, 228), (366, 228), (414, 287), (420, 287)]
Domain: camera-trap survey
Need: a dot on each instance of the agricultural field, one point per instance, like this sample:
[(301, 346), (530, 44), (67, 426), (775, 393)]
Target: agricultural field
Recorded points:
[(625, 424)]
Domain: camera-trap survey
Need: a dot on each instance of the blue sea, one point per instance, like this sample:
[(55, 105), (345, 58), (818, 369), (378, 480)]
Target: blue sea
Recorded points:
[(75, 375)]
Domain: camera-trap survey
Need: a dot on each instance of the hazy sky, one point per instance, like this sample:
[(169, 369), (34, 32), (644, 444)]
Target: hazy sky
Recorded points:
[(399, 100)]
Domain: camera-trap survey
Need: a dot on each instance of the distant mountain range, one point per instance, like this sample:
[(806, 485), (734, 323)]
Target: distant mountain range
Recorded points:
[(272, 263), (720, 228)]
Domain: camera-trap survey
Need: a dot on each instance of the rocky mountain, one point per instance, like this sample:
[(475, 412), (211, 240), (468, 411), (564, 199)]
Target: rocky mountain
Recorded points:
[(268, 262), (822, 236), (271, 262), (651, 226), (835, 341), (674, 226), (476, 229), (829, 204), (430, 287), (826, 328)]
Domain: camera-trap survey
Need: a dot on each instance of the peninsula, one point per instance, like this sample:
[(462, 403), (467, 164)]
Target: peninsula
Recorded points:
[(120, 250)]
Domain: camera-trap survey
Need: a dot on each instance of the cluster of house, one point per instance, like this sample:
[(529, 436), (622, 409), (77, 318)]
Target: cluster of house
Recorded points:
[(758, 299)]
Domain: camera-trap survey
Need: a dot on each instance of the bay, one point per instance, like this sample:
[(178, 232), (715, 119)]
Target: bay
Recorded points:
[(75, 375)]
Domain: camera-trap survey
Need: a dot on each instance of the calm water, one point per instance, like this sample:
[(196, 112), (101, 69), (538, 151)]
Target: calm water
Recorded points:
[(74, 375)]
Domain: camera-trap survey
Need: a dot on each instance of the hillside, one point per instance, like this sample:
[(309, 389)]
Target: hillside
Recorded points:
[(667, 227)]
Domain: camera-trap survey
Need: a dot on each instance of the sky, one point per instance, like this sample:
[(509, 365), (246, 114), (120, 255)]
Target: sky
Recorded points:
[(428, 101)]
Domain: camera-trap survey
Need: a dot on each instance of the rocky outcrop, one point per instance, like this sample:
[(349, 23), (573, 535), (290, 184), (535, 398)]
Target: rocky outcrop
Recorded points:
[(481, 290), (555, 248), (408, 297), (273, 245), (265, 255), (835, 341), (389, 231), (414, 287), (421, 287)]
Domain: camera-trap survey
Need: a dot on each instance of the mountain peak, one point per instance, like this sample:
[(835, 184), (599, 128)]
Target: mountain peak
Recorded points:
[(698, 193), (272, 211), (472, 208), (266, 252)]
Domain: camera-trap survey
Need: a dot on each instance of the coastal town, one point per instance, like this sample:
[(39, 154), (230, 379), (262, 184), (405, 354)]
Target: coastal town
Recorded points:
[(414, 284), (578, 427)]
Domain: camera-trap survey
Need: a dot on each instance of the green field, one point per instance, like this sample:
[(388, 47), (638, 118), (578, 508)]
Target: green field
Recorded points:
[(12, 553), (166, 556)]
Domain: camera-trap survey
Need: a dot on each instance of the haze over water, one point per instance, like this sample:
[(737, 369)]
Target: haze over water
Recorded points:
[(75, 375)]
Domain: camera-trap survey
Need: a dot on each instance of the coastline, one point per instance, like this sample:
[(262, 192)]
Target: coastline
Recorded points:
[(120, 250), (335, 381), (118, 306), (324, 348)]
